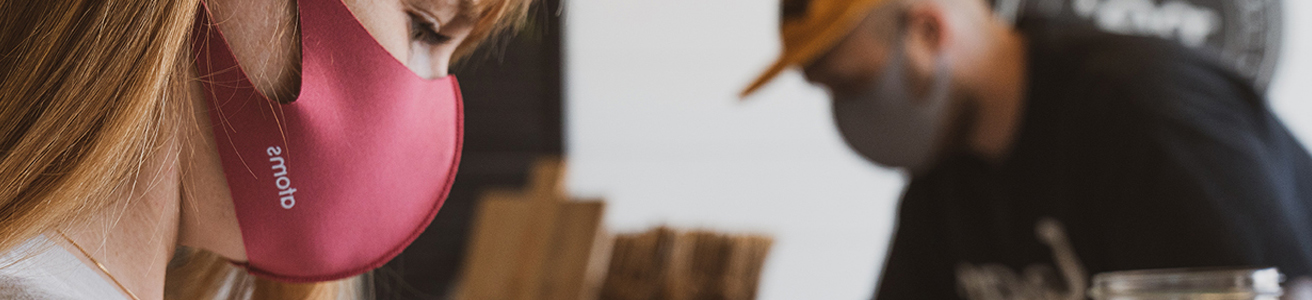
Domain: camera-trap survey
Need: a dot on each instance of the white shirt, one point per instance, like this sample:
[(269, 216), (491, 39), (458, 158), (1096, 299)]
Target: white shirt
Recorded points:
[(40, 269)]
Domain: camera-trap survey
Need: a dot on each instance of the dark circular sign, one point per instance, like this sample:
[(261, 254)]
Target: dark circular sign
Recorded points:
[(1245, 32)]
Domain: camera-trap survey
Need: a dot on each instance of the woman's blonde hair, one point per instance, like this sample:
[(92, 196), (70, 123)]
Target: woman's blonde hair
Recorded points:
[(89, 88)]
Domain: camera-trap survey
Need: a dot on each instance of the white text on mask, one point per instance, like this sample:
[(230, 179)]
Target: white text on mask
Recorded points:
[(281, 181)]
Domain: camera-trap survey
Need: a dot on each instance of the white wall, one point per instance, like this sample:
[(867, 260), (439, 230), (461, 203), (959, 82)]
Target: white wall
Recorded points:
[(1291, 90), (655, 127)]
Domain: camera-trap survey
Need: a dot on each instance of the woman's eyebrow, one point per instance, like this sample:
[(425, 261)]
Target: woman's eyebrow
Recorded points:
[(438, 9)]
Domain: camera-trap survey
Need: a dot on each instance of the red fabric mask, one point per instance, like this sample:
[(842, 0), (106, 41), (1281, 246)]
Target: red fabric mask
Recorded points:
[(342, 179)]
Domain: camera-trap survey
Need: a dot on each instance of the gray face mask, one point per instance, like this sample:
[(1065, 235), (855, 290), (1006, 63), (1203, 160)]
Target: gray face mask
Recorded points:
[(886, 125)]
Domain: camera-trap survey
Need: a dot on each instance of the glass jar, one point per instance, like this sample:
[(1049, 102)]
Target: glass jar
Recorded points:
[(1188, 284)]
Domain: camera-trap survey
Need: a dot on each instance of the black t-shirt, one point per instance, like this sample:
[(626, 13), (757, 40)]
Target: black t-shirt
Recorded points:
[(1134, 153)]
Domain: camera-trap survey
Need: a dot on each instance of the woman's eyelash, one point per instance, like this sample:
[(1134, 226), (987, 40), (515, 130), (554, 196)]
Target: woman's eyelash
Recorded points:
[(424, 31)]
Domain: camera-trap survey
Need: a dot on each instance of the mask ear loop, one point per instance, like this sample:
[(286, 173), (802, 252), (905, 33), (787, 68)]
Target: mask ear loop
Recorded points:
[(934, 101), (1009, 10)]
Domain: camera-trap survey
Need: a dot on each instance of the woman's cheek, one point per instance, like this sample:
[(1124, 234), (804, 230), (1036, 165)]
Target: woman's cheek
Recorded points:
[(421, 60)]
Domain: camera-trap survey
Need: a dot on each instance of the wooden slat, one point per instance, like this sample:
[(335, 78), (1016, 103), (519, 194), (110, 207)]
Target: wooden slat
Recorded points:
[(533, 244)]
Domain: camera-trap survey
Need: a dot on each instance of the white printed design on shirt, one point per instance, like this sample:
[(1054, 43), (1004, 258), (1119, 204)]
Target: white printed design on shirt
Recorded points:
[(1036, 282)]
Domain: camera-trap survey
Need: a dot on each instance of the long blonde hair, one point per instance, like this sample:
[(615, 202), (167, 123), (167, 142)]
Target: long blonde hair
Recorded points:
[(88, 89)]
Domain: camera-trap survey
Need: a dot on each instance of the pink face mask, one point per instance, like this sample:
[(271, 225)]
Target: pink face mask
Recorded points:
[(341, 180)]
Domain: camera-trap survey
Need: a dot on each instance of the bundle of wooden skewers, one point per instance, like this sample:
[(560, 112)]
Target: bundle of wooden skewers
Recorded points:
[(665, 264), (539, 244)]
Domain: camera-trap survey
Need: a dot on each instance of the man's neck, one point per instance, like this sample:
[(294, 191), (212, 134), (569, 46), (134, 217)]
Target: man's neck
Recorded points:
[(999, 88)]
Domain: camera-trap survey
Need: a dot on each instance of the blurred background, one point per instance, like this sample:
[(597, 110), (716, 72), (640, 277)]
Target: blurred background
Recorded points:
[(639, 98)]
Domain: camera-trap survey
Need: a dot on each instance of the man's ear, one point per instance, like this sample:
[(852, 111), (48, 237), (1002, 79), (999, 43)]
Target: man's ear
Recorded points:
[(927, 26), (927, 37)]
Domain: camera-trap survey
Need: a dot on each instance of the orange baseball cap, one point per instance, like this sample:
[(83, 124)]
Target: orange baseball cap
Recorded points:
[(810, 28)]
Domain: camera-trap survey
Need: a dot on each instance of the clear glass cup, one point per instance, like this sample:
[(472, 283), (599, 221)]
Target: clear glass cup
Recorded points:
[(1189, 284)]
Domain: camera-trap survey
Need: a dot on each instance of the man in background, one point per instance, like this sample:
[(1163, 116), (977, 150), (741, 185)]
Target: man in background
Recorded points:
[(1040, 154)]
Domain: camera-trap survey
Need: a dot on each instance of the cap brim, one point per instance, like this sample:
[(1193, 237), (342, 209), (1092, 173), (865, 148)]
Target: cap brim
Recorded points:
[(813, 43), (769, 74)]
